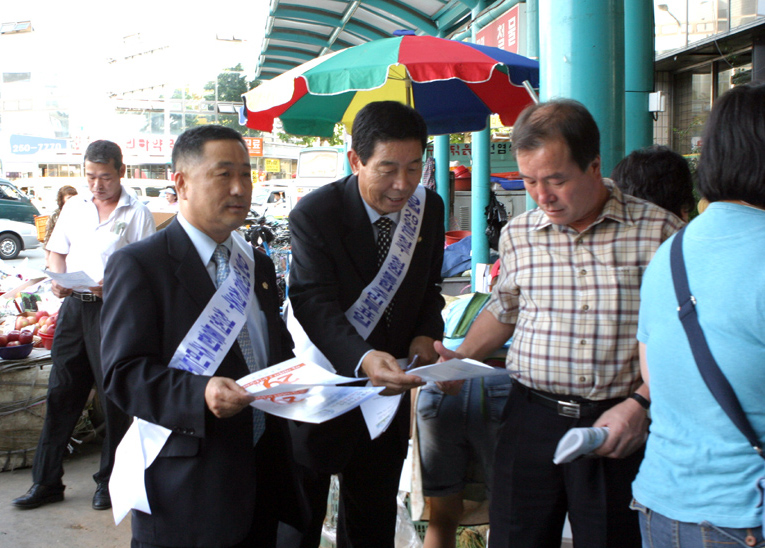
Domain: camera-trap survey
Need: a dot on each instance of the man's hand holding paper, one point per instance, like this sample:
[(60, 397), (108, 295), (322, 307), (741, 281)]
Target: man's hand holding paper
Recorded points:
[(64, 282), (451, 388), (384, 370), (225, 398)]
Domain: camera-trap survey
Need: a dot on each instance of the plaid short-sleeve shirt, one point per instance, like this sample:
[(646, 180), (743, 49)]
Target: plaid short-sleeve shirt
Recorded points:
[(574, 297)]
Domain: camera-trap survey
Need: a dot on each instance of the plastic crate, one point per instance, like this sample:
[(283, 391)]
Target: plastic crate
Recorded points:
[(421, 527), (41, 223)]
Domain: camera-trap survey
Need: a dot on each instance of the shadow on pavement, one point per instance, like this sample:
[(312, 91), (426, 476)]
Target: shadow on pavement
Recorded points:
[(69, 523)]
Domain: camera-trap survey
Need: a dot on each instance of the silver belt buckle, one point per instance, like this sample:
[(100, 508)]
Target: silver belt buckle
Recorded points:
[(568, 409)]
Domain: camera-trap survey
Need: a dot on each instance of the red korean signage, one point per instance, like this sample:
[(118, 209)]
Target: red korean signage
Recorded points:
[(505, 31)]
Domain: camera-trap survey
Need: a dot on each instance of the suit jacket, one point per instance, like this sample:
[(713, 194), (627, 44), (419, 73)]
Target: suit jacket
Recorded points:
[(334, 257), (201, 487)]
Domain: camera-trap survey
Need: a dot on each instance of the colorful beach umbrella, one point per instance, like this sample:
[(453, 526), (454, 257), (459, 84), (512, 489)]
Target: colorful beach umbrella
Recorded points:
[(454, 85)]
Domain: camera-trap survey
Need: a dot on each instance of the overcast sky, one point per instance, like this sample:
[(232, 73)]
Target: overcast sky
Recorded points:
[(79, 30)]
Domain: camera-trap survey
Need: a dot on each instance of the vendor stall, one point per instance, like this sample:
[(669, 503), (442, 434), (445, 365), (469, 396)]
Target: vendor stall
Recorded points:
[(28, 317), (23, 389)]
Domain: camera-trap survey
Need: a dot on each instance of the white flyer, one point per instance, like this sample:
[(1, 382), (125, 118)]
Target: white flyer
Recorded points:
[(304, 391), (315, 404), (295, 371), (79, 281), (456, 370), (379, 412)]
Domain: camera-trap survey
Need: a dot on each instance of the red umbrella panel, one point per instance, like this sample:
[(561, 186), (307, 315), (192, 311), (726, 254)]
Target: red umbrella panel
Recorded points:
[(454, 85)]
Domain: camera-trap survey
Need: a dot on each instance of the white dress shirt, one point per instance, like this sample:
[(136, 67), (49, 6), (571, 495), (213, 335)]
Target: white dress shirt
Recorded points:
[(87, 242)]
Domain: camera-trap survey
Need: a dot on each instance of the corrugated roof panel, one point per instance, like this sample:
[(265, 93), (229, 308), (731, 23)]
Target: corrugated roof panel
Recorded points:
[(296, 30)]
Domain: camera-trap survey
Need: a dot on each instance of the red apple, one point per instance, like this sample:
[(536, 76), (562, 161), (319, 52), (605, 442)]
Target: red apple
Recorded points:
[(26, 337), (14, 335), (3, 340), (40, 314), (13, 343)]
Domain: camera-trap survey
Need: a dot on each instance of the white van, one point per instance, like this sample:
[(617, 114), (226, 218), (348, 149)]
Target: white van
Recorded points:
[(272, 198)]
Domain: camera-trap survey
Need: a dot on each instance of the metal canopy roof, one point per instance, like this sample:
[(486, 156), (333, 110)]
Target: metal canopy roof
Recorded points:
[(297, 32), (720, 46)]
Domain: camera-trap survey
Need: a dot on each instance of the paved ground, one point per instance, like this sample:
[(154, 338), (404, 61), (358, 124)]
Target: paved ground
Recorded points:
[(71, 523), (35, 256)]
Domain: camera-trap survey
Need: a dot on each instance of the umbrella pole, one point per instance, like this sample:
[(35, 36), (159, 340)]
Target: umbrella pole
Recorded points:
[(530, 89)]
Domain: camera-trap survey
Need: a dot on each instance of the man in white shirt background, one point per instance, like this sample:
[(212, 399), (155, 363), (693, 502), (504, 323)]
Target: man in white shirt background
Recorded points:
[(88, 231)]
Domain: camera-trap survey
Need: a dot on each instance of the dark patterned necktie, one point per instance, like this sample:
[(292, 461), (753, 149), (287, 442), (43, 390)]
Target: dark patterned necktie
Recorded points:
[(222, 269), (384, 228)]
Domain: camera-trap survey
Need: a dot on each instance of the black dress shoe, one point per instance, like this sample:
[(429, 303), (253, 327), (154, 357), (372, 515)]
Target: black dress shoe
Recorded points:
[(39, 495), (101, 499)]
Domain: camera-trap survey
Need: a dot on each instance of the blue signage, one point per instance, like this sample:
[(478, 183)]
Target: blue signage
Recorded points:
[(26, 144)]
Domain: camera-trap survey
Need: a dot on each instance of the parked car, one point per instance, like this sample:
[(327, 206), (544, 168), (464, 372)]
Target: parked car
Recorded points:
[(15, 205), (16, 237)]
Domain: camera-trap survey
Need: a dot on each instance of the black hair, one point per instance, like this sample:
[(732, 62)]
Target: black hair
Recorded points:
[(659, 175), (103, 152), (385, 121), (732, 163), (558, 119), (192, 141)]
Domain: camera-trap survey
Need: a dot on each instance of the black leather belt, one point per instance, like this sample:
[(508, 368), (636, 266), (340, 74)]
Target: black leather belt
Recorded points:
[(567, 406), (86, 297)]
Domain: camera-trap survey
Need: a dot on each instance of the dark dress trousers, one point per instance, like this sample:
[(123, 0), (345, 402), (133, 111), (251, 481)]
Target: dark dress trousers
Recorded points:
[(203, 487), (333, 260)]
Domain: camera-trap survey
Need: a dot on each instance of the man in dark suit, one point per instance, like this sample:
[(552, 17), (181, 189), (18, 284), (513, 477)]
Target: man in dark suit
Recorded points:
[(214, 483), (334, 260)]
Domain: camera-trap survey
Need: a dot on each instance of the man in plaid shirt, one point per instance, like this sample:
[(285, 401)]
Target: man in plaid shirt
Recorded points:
[(568, 293)]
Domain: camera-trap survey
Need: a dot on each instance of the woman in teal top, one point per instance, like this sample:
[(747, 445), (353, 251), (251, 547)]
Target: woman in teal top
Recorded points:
[(697, 485)]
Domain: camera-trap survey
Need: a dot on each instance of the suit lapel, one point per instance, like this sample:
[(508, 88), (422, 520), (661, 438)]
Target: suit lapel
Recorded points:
[(189, 271), (358, 239)]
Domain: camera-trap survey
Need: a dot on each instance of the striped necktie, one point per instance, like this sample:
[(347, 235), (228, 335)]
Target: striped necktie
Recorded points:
[(222, 269)]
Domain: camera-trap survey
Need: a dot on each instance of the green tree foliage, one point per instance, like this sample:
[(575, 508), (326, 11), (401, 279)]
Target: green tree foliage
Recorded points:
[(231, 83), (229, 87)]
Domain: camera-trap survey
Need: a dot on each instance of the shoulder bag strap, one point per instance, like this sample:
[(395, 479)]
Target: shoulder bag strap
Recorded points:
[(710, 371)]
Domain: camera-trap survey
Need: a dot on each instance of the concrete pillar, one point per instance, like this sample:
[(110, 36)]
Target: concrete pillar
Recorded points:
[(638, 74), (441, 155), (480, 185), (532, 51), (584, 60)]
